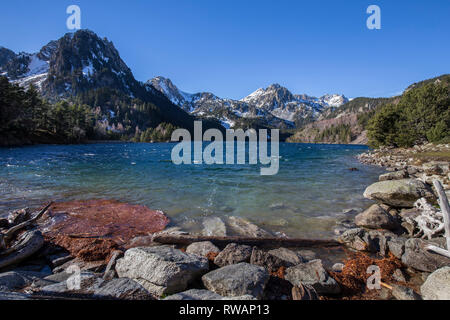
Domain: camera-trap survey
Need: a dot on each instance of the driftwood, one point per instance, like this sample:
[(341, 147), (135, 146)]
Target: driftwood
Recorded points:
[(260, 242), (9, 234), (445, 208), (27, 245)]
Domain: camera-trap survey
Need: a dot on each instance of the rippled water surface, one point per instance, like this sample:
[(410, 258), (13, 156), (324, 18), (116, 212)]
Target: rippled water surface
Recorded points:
[(313, 188)]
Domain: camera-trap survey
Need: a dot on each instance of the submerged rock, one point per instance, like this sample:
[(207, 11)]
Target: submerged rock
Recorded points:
[(437, 285), (313, 273), (93, 229), (237, 280), (214, 226), (161, 270), (245, 228), (399, 193)]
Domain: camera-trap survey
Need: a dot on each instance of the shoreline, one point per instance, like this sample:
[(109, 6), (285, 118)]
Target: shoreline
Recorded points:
[(376, 236)]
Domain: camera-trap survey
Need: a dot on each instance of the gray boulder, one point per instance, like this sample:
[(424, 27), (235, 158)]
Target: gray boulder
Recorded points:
[(237, 280), (86, 283), (195, 294), (275, 259), (123, 289), (14, 280), (375, 218), (396, 175), (367, 240), (437, 285), (161, 270), (399, 193), (396, 246), (201, 294), (404, 293), (313, 273), (338, 267), (232, 254), (266, 260), (398, 275), (202, 248), (418, 257), (288, 256)]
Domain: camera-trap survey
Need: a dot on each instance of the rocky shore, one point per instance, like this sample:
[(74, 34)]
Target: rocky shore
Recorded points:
[(103, 249)]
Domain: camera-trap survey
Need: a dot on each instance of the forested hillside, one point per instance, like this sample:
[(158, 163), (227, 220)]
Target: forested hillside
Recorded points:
[(26, 118), (421, 114)]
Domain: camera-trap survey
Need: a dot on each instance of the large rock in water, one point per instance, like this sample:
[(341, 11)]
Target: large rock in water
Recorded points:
[(237, 280), (161, 270), (418, 257), (245, 228), (437, 285), (399, 193), (313, 273), (375, 218), (214, 226)]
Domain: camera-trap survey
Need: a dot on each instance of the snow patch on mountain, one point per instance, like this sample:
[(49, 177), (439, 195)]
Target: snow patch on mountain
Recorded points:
[(274, 104)]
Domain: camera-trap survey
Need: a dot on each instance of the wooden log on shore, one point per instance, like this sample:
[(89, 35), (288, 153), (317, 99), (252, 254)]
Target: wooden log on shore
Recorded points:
[(259, 242), (9, 234), (445, 208)]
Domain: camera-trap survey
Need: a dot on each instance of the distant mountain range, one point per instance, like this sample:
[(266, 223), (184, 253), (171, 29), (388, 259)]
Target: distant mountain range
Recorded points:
[(84, 68), (81, 62), (275, 106)]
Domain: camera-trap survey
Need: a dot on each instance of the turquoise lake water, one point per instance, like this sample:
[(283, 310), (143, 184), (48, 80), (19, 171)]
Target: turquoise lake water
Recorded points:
[(313, 188)]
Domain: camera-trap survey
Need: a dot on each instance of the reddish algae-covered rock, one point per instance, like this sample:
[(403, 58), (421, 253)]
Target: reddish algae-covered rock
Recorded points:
[(92, 229)]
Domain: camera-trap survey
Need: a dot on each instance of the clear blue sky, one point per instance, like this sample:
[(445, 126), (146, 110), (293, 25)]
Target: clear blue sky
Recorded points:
[(234, 47)]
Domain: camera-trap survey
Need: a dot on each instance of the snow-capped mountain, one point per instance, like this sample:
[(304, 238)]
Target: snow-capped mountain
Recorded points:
[(83, 67), (25, 68), (276, 105), (75, 63), (207, 105)]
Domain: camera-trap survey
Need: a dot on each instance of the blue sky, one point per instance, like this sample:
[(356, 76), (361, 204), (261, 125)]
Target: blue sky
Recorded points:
[(232, 48)]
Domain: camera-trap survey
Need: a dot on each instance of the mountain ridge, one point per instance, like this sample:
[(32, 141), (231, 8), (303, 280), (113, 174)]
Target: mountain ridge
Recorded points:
[(275, 103)]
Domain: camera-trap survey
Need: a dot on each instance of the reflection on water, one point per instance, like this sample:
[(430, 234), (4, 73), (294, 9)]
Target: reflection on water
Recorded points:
[(312, 189)]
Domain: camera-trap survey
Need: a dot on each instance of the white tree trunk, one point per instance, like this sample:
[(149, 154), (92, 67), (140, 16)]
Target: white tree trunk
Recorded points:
[(445, 208)]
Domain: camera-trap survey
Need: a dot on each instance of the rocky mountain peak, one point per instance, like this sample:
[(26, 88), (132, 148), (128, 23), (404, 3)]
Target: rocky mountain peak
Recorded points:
[(81, 61), (6, 55)]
